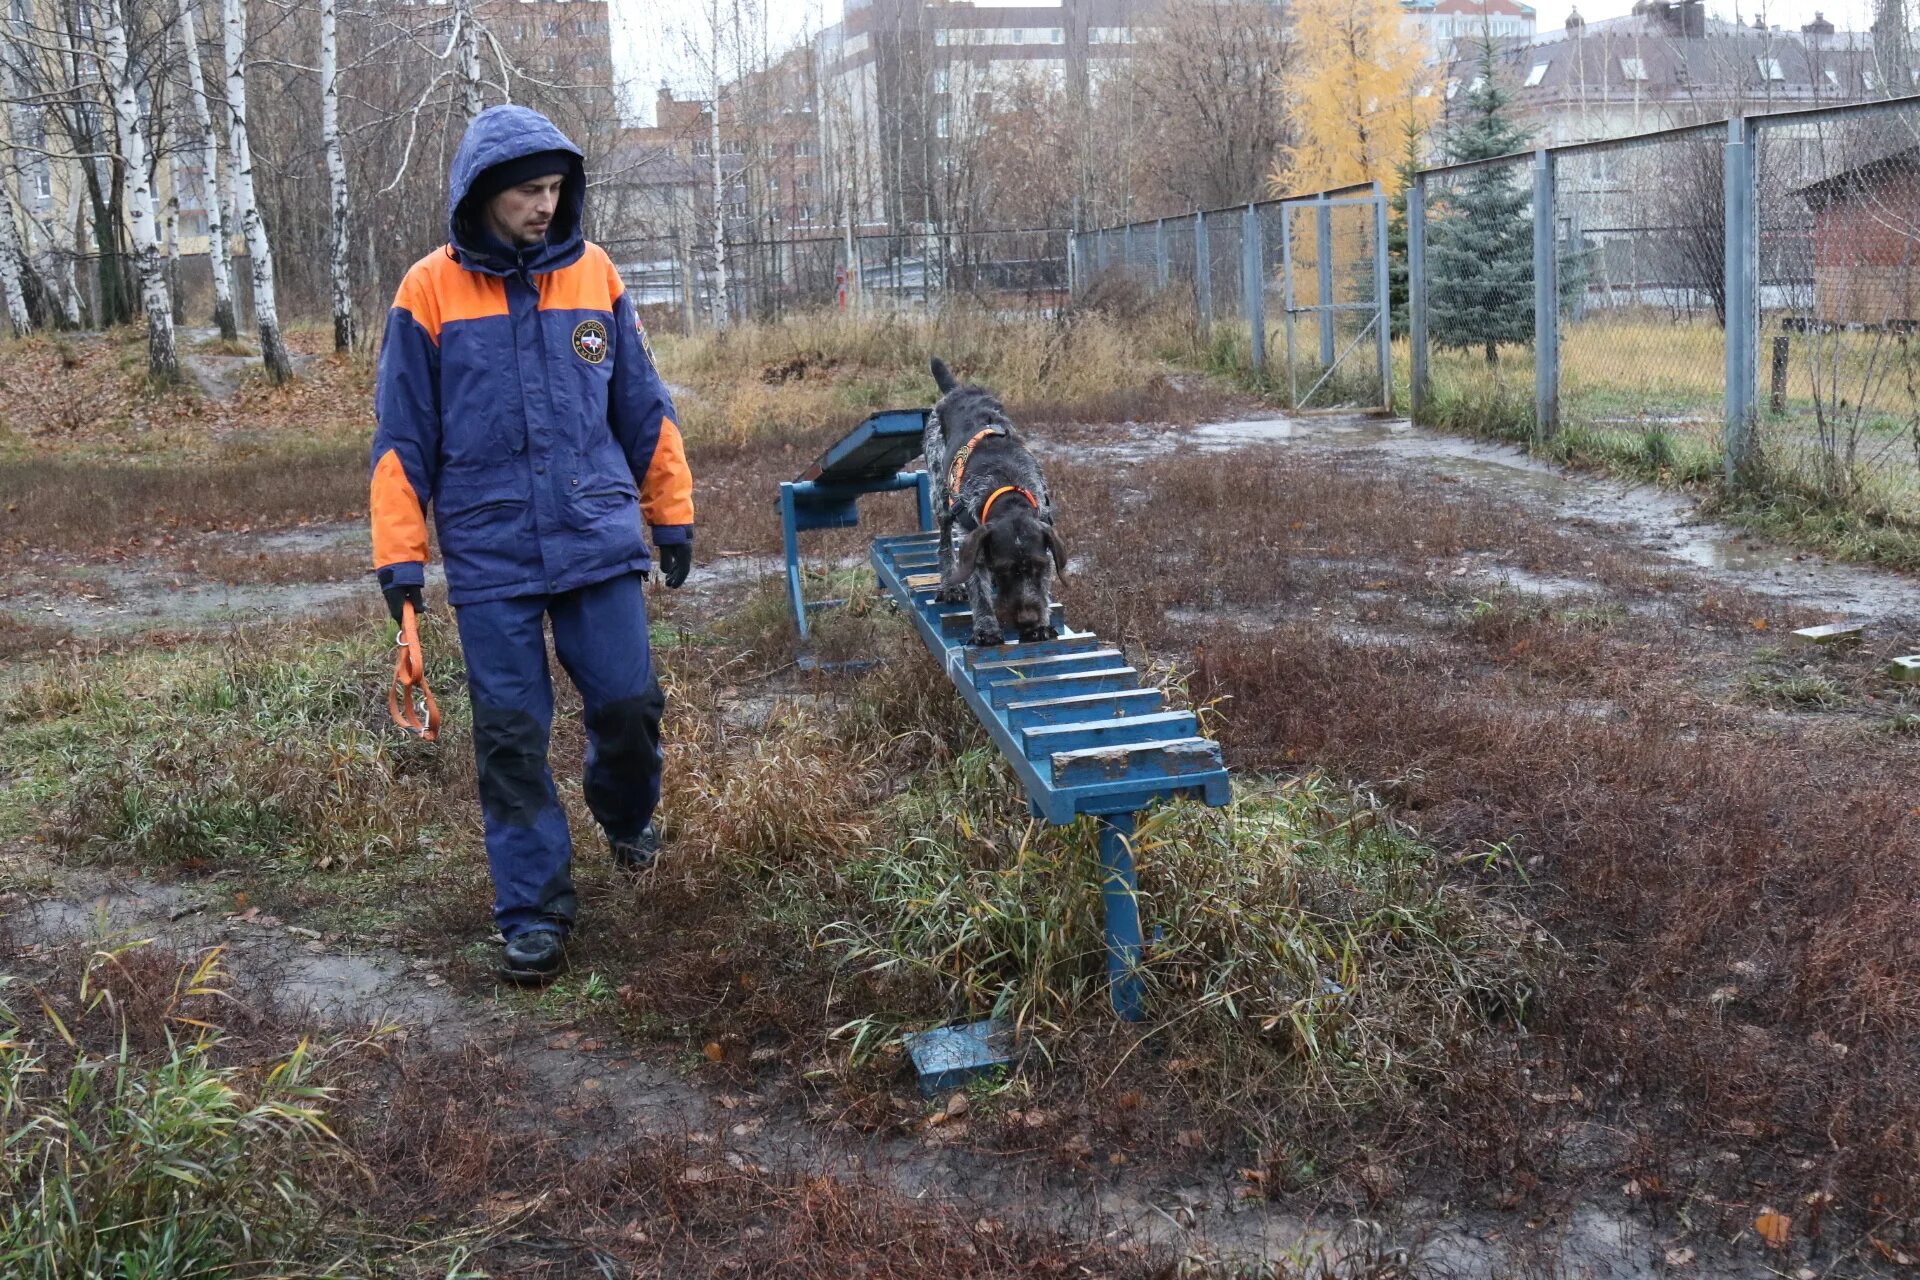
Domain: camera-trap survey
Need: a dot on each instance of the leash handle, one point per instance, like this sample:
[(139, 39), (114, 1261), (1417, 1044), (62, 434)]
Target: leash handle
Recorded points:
[(409, 690)]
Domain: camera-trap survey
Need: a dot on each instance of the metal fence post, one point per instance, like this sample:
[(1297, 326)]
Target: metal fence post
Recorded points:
[(1742, 240), (1417, 291), (1383, 301), (1202, 274), (1126, 250), (1160, 251), (1253, 283), (1546, 301), (1323, 236)]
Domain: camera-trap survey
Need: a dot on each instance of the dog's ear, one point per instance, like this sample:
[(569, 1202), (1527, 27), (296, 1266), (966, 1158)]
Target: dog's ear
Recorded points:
[(1058, 548), (942, 376), (964, 559)]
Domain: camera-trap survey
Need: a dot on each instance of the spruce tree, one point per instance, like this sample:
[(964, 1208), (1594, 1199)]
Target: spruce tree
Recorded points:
[(1480, 248)]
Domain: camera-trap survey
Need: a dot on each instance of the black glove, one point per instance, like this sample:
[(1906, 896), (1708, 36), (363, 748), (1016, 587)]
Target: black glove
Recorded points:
[(676, 561), (397, 596)]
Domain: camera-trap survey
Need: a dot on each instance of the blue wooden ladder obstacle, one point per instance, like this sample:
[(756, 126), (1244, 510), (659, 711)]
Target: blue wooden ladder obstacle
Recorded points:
[(1081, 732), (868, 459)]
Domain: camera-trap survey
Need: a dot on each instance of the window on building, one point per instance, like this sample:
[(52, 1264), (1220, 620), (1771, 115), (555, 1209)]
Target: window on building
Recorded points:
[(941, 78), (1871, 79), (1770, 69), (701, 147), (552, 30), (1056, 35), (858, 44), (43, 185), (1633, 68), (939, 37), (735, 148), (1016, 35), (1833, 81), (1110, 35), (1537, 74), (940, 125)]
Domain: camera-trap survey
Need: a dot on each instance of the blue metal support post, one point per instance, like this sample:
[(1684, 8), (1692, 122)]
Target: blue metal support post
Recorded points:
[(1120, 894)]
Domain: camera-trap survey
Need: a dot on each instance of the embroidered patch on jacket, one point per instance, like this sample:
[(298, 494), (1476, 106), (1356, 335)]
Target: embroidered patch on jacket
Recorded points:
[(646, 346), (590, 341)]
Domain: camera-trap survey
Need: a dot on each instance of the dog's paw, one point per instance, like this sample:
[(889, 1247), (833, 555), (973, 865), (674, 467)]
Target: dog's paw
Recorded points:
[(987, 637), (951, 595), (1033, 635)]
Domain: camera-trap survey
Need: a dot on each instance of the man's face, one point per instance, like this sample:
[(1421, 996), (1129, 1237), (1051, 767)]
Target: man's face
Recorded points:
[(520, 215)]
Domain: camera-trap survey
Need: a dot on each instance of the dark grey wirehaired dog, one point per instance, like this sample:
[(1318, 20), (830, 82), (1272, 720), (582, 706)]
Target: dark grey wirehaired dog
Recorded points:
[(988, 489)]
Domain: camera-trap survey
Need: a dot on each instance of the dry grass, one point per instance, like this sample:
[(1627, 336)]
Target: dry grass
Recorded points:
[(1734, 884), (805, 374)]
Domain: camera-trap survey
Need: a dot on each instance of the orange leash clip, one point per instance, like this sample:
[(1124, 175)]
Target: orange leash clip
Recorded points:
[(409, 690)]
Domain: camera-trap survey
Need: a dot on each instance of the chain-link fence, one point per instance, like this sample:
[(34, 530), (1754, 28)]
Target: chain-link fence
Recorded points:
[(1473, 294), (675, 280), (1302, 277), (1741, 295), (1640, 251), (1836, 369)]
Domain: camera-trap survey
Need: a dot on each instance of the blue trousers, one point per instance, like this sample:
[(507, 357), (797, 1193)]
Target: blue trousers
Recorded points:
[(600, 635)]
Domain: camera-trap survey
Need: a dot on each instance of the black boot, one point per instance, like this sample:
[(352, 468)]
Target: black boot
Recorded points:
[(638, 854), (534, 958)]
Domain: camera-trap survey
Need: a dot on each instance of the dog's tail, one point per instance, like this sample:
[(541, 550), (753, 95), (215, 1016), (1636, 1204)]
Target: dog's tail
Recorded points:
[(942, 376)]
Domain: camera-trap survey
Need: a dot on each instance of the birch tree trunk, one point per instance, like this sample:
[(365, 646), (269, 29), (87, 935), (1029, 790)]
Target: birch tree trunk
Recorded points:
[(11, 281), (219, 230), (12, 249), (173, 236), (266, 315), (136, 181), (336, 176), (469, 52)]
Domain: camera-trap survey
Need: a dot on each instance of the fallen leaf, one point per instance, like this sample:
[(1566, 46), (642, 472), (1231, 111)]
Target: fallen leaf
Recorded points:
[(1679, 1257), (1898, 1257), (1774, 1227), (957, 1106), (715, 1051), (1759, 624)]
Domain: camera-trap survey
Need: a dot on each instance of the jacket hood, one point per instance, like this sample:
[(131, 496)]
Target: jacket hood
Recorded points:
[(496, 135)]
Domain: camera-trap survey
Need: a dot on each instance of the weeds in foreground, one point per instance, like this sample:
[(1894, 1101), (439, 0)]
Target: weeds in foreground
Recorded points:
[(124, 1159), (1299, 934)]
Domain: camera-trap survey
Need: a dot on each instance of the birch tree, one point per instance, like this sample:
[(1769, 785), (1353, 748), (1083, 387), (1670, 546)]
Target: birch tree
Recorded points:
[(273, 352), (336, 177), (11, 281), (467, 38), (11, 250), (219, 251), (136, 179)]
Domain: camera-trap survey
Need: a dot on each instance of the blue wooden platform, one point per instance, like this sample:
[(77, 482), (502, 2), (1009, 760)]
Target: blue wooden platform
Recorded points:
[(869, 459), (1081, 732)]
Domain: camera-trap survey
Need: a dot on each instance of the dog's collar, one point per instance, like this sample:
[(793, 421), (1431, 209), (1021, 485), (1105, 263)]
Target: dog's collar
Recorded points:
[(957, 469), (1002, 492)]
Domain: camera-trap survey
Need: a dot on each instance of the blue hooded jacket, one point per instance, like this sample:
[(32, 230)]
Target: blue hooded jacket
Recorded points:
[(517, 397)]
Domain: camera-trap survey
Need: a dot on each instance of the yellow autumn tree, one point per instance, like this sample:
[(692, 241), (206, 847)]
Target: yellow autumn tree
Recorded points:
[(1360, 85)]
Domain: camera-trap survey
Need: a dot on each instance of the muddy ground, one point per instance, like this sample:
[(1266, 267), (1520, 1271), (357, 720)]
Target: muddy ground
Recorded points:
[(1639, 554)]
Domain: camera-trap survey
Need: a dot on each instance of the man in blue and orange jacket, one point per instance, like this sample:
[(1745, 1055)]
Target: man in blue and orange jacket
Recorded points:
[(517, 397)]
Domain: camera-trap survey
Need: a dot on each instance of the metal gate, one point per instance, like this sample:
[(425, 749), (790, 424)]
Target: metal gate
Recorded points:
[(1334, 300)]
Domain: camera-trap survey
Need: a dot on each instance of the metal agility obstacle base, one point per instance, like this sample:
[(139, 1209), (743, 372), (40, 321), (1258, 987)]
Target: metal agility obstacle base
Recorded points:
[(1083, 735)]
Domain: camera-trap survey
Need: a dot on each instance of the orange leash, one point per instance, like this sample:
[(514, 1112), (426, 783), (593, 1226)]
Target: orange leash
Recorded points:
[(409, 690)]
